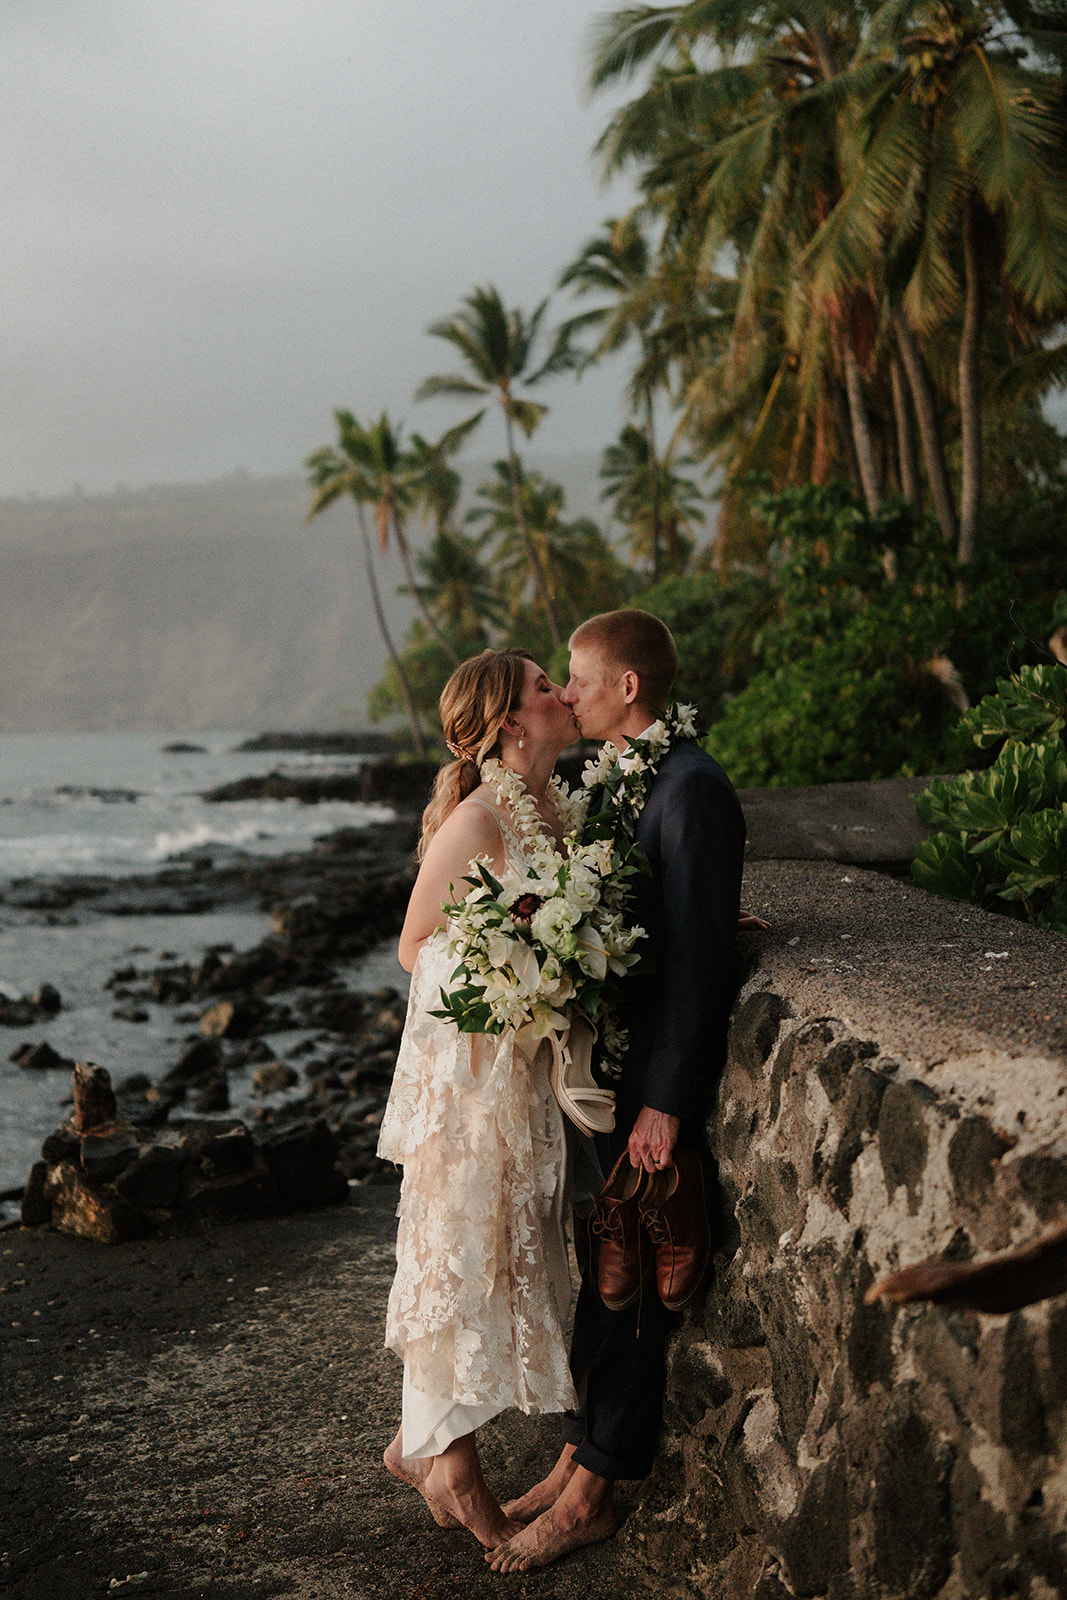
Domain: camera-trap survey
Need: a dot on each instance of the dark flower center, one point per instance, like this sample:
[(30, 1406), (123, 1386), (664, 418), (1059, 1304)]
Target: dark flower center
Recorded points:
[(525, 906)]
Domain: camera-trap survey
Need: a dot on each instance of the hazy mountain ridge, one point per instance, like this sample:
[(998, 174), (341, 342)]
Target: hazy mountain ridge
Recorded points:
[(196, 606)]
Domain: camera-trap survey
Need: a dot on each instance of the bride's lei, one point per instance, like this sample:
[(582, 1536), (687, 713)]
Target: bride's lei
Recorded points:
[(512, 792)]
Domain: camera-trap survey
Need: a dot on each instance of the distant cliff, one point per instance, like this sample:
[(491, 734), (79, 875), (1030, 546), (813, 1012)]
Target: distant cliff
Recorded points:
[(199, 606)]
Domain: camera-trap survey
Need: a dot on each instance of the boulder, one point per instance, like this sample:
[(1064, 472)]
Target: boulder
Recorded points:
[(94, 1098), (231, 1019), (47, 999), (203, 1059), (301, 1160), (212, 1095), (20, 1013), (39, 1058), (273, 1076), (78, 1205), (112, 1181)]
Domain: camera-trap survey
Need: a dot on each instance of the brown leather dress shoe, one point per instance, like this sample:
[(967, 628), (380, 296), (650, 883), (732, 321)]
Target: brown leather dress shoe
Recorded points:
[(616, 1222), (674, 1214)]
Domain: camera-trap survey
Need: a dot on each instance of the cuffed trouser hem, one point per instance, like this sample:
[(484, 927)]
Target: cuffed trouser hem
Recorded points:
[(573, 1428), (587, 1455)]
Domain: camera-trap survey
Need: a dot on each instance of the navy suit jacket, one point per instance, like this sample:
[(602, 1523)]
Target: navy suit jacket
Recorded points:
[(692, 830)]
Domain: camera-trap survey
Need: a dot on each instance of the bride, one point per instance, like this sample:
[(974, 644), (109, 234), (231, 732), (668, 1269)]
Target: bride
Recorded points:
[(482, 1284)]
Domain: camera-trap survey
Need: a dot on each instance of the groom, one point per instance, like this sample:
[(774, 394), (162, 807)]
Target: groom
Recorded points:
[(692, 831)]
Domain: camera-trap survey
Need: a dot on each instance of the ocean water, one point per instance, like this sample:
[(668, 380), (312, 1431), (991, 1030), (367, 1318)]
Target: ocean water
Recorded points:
[(116, 804), (121, 803)]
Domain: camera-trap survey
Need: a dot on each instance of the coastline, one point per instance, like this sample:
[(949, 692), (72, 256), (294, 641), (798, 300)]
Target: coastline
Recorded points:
[(317, 1001), (202, 1413)]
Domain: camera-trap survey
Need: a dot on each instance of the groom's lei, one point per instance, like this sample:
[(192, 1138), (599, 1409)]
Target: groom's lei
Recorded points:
[(624, 779)]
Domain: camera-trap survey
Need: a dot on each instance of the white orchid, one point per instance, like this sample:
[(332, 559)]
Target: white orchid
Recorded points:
[(592, 951)]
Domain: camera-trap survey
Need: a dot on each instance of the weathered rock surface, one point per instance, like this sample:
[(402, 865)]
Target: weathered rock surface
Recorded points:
[(897, 1089), (863, 824), (125, 1182), (39, 1058), (26, 1010)]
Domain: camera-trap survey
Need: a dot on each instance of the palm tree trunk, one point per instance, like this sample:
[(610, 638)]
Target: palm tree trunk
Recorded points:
[(970, 390), (424, 610), (383, 628), (907, 457), (844, 429), (653, 467), (922, 397), (540, 580), (861, 430)]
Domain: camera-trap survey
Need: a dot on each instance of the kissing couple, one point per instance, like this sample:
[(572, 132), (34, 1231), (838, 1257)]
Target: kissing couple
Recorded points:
[(481, 1299)]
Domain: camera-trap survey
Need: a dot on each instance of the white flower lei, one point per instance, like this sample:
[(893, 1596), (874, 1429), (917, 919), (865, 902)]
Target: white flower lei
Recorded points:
[(512, 792), (626, 776)]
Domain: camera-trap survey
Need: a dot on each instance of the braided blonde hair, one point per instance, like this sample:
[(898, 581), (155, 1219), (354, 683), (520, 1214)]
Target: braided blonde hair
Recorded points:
[(474, 703)]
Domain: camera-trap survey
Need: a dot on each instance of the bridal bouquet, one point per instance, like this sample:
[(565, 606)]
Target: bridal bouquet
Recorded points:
[(530, 951)]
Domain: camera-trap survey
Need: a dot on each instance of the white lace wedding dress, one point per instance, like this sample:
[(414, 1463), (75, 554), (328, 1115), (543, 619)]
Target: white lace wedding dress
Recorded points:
[(482, 1286)]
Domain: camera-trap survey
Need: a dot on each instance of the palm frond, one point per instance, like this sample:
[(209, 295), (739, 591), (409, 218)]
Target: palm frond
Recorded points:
[(620, 42)]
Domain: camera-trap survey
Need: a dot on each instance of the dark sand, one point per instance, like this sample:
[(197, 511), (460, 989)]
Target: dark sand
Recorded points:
[(204, 1417)]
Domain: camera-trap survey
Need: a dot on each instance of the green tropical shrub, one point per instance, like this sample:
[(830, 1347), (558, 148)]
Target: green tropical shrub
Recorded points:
[(1002, 833), (854, 679)]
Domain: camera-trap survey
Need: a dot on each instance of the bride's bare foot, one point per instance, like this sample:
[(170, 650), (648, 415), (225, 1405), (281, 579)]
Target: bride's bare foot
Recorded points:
[(455, 1485), (583, 1514), (530, 1505), (415, 1473)]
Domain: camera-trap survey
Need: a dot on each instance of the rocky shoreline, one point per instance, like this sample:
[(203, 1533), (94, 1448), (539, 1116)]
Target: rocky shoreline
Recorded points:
[(328, 907)]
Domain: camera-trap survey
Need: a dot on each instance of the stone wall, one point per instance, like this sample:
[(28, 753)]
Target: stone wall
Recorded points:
[(896, 1090)]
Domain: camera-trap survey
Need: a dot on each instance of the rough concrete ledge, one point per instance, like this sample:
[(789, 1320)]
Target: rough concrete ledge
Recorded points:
[(896, 1089)]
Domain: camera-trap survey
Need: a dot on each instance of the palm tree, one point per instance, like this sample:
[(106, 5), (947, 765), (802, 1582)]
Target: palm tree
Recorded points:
[(654, 502), (344, 471), (877, 170), (583, 572), (458, 588), (397, 481), (618, 263), (741, 137), (497, 346)]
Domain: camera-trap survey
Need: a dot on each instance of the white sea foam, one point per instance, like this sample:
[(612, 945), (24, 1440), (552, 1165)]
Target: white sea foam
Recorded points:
[(265, 827)]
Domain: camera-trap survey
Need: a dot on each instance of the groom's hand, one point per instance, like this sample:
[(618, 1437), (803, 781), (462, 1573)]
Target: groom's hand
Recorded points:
[(652, 1142)]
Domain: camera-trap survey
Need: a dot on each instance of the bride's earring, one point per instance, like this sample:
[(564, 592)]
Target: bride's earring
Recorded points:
[(522, 737)]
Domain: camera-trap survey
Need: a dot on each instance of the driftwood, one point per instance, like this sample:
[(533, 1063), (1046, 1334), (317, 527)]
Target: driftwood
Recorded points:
[(999, 1284)]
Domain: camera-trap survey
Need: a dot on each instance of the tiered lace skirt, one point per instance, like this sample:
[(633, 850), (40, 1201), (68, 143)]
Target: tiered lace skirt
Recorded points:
[(482, 1287)]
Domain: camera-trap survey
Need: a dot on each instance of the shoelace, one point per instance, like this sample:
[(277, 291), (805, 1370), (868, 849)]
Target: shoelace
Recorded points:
[(659, 1229), (608, 1225)]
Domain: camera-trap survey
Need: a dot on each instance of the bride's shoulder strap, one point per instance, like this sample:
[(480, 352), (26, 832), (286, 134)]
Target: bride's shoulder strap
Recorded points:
[(505, 828)]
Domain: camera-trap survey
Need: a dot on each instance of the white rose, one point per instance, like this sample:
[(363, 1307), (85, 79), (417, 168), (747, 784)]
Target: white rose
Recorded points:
[(499, 949), (553, 922)]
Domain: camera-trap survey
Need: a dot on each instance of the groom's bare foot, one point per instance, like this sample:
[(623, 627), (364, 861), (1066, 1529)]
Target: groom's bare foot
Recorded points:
[(415, 1473), (583, 1514), (544, 1494)]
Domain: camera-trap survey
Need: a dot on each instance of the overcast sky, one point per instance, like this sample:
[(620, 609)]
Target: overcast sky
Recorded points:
[(221, 218)]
